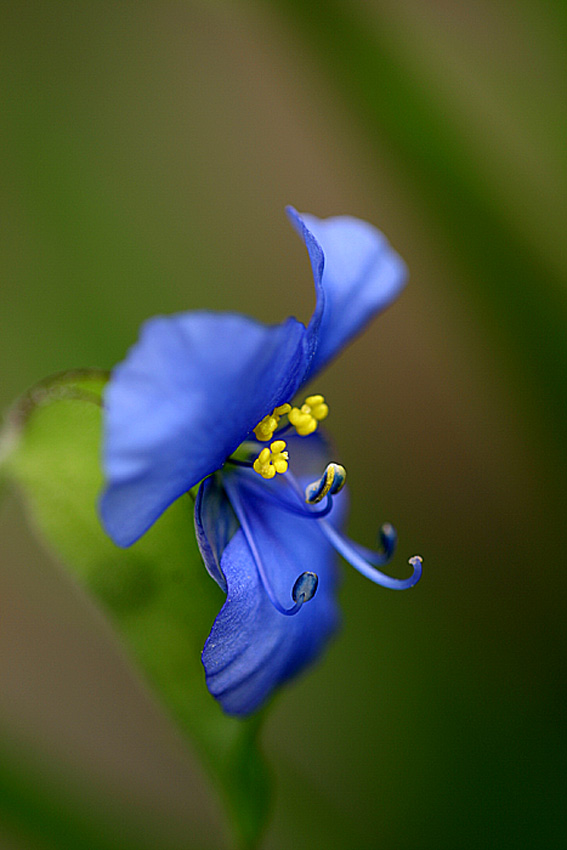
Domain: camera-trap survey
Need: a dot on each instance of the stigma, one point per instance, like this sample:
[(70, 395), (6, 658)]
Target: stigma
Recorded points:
[(272, 460)]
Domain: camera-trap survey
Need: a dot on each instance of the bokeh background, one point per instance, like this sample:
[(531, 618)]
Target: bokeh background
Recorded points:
[(147, 152)]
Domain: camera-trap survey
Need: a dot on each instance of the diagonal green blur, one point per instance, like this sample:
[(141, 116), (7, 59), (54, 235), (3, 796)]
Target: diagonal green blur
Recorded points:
[(519, 297)]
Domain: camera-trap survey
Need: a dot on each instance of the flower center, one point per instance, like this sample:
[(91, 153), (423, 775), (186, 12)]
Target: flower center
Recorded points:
[(299, 502), (274, 459), (304, 419)]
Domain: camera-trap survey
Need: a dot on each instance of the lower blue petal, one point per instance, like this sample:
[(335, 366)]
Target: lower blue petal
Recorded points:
[(252, 648)]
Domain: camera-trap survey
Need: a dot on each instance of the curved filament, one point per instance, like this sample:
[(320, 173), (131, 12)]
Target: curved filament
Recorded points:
[(382, 556), (300, 509), (305, 585), (351, 553), (236, 462)]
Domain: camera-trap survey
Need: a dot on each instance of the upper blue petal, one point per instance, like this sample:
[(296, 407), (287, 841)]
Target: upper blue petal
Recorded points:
[(252, 648), (357, 274), (187, 394)]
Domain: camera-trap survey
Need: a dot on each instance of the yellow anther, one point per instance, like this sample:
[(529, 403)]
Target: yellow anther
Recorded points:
[(306, 418), (272, 460), (264, 430), (332, 480)]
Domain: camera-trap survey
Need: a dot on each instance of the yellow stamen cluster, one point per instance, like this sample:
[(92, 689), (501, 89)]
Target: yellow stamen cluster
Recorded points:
[(272, 460), (265, 429), (306, 418)]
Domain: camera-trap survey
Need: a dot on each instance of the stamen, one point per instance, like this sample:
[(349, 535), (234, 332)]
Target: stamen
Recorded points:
[(306, 418), (388, 539), (332, 480), (362, 559), (305, 585), (237, 462), (264, 430), (352, 553), (272, 460), (280, 502)]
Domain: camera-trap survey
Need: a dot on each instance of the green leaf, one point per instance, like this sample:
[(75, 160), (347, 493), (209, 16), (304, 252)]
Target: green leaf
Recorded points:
[(157, 592)]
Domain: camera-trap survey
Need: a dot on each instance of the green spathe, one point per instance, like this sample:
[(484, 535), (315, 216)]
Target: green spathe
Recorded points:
[(157, 593)]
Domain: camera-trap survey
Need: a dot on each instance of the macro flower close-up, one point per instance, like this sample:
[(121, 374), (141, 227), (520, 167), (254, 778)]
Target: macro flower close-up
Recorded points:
[(209, 400), (232, 429)]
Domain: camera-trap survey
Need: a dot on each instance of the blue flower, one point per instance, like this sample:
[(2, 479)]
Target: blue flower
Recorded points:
[(205, 399)]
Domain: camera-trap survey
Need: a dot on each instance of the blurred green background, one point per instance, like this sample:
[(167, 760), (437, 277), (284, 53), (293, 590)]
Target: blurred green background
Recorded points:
[(147, 152)]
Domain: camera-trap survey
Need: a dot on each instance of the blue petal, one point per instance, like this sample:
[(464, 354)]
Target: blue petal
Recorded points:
[(357, 274), (252, 648), (186, 396)]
